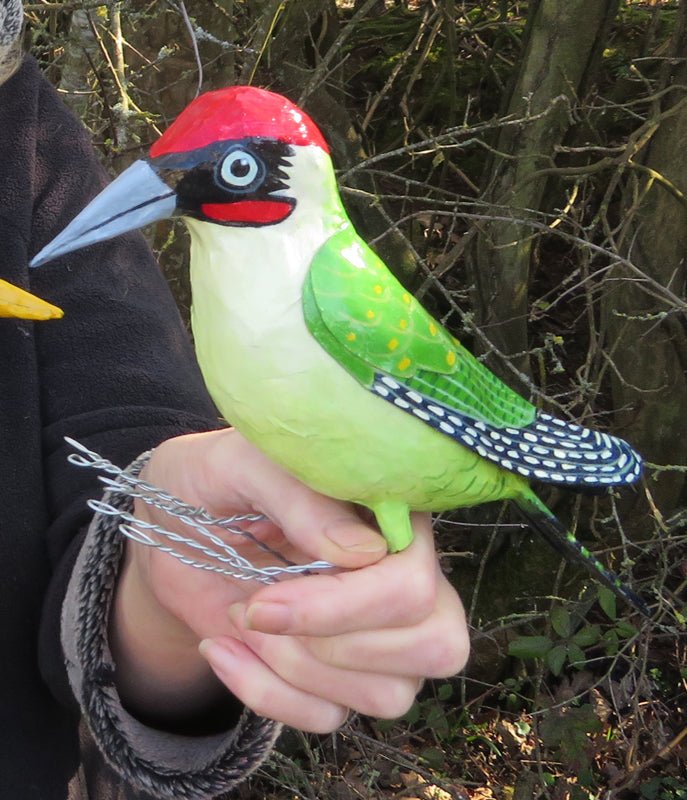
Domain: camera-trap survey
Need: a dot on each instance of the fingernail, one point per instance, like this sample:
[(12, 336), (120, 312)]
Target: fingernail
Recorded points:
[(236, 613), (355, 538), (268, 618), (216, 654)]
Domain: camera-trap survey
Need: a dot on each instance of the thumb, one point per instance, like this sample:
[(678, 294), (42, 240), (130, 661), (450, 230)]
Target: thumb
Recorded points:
[(322, 527)]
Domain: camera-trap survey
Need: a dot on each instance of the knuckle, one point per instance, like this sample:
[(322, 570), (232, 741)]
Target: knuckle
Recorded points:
[(447, 656), (420, 592), (327, 651), (396, 698), (448, 644)]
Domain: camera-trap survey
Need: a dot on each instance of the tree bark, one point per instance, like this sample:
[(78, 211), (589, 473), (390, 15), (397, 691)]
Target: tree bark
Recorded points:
[(645, 335), (561, 41)]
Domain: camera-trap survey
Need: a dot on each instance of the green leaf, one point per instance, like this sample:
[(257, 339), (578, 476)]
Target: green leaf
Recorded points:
[(385, 725), (412, 715), (576, 656), (607, 601), (437, 721), (561, 622), (433, 757), (445, 692), (530, 646), (626, 630), (611, 640), (555, 658), (587, 636), (581, 792), (650, 788)]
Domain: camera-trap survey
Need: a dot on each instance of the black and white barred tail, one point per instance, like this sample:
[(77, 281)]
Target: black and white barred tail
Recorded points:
[(547, 449)]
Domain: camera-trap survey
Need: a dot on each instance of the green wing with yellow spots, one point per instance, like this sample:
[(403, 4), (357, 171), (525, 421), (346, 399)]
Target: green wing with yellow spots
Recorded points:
[(367, 321)]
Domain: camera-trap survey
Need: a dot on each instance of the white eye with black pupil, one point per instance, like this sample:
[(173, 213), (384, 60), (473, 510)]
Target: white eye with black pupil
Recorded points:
[(239, 169)]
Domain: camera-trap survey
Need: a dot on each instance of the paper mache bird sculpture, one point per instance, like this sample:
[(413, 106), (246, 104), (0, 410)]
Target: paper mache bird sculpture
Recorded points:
[(314, 351), (15, 302)]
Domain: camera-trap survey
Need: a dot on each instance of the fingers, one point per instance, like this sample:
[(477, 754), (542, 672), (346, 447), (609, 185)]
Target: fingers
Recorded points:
[(326, 529), (306, 650), (437, 647), (289, 684), (399, 590), (310, 681), (258, 687)]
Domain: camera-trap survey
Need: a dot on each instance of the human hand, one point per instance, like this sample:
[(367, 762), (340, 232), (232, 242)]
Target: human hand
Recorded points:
[(303, 651)]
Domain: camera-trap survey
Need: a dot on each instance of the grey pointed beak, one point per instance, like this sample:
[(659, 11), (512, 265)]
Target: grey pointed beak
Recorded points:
[(134, 199)]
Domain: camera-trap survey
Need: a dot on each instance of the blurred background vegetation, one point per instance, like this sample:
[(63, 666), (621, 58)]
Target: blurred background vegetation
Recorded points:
[(522, 167)]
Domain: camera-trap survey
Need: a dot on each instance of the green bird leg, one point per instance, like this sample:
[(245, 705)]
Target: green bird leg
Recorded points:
[(393, 519)]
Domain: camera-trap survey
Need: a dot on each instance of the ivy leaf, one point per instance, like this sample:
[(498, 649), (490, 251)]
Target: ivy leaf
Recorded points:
[(445, 692), (530, 646), (626, 630), (607, 601), (561, 622), (434, 758), (556, 658), (576, 656), (587, 636)]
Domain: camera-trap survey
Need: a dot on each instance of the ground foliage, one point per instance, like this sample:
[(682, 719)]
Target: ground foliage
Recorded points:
[(568, 696)]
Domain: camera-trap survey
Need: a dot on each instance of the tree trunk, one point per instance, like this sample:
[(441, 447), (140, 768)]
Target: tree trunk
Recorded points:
[(644, 334), (560, 43)]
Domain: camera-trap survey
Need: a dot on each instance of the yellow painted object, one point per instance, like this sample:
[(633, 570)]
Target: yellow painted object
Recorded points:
[(15, 302)]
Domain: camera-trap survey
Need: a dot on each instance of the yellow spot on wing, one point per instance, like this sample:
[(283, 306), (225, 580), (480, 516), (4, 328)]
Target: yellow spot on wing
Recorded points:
[(393, 344), (378, 289), (403, 324), (451, 358), (370, 314), (404, 363), (406, 298), (350, 337), (432, 329)]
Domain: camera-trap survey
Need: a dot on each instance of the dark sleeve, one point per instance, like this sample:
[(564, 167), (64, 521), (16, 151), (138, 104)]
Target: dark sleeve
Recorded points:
[(118, 374)]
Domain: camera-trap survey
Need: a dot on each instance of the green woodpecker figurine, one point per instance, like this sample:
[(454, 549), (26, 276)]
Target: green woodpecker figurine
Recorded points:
[(312, 349)]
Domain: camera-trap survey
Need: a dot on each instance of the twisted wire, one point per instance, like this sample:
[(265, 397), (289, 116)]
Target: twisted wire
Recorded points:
[(215, 555)]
